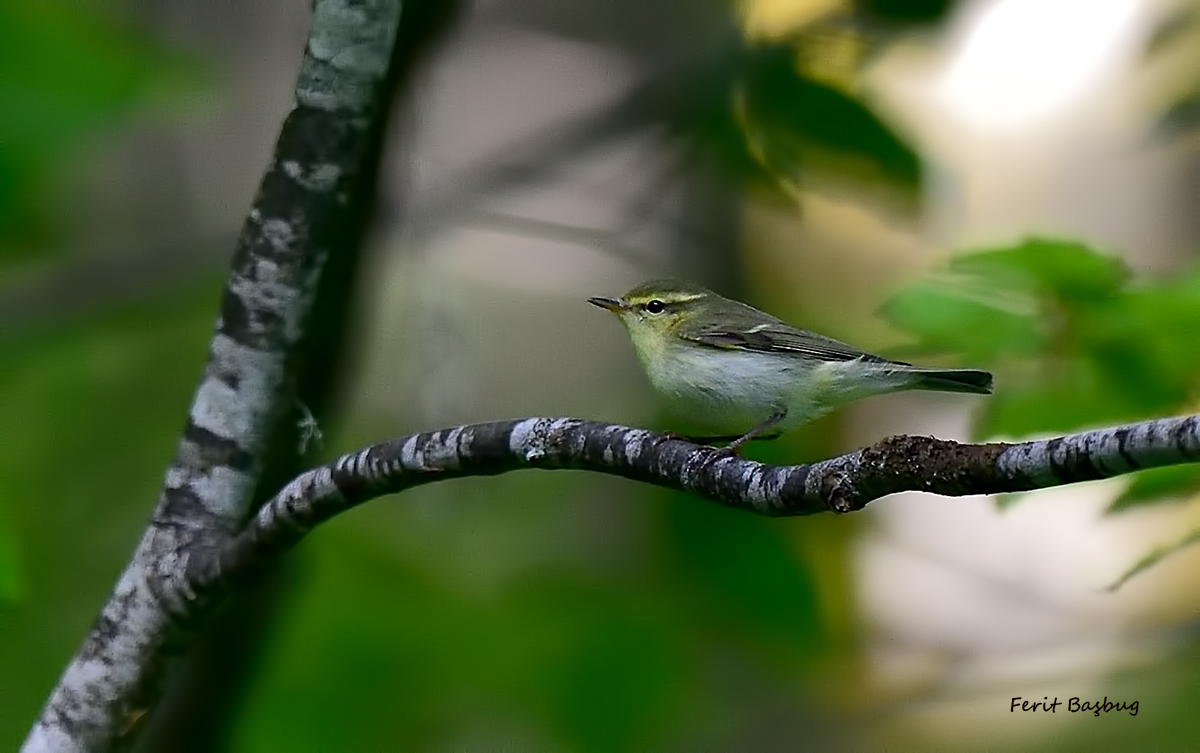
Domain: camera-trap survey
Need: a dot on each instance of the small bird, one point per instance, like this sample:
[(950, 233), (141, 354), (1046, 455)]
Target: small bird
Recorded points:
[(739, 372)]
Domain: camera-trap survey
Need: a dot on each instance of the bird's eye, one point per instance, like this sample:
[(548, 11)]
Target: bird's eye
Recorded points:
[(656, 307)]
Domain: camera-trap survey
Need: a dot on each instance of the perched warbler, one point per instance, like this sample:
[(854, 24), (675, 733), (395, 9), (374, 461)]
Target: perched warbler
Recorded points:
[(738, 372)]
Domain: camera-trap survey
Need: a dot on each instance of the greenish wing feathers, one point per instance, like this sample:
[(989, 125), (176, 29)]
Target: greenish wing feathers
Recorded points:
[(781, 337)]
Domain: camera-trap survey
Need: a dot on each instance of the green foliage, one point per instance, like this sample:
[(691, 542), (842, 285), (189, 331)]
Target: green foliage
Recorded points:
[(792, 123), (1173, 30), (386, 653), (1174, 37), (68, 69), (92, 411), (766, 118), (782, 112), (1154, 557), (1182, 117), (1076, 341), (610, 662), (1172, 482), (12, 580), (744, 573), (906, 11)]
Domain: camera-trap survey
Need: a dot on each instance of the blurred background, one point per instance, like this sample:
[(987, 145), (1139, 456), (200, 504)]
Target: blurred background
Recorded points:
[(1006, 184)]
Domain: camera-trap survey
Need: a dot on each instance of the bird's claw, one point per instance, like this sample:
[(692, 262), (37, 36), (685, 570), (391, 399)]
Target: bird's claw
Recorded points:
[(667, 436)]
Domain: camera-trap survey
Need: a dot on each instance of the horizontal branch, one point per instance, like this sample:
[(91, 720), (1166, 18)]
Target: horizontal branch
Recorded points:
[(842, 484)]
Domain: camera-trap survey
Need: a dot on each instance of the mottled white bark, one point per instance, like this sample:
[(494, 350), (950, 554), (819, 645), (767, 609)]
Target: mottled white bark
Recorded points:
[(247, 386), (842, 484)]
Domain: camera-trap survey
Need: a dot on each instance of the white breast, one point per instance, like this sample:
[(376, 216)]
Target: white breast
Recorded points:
[(731, 391), (723, 391)]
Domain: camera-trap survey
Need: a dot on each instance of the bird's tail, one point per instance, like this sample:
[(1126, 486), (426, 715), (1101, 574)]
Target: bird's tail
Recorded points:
[(952, 380)]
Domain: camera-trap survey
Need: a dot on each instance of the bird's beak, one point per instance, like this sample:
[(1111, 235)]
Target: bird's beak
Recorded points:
[(612, 304)]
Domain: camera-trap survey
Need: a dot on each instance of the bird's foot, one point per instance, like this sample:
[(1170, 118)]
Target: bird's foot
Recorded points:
[(667, 435), (728, 451)]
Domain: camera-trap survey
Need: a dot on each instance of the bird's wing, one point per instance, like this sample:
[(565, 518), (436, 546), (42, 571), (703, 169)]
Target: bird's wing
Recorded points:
[(780, 337)]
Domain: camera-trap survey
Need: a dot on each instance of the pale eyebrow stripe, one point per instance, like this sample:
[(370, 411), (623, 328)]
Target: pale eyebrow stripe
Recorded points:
[(669, 299), (679, 297)]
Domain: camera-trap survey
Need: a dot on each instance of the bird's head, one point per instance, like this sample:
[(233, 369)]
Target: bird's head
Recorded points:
[(654, 311)]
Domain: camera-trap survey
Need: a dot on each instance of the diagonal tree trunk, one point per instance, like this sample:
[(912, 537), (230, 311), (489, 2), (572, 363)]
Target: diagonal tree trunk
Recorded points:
[(296, 248)]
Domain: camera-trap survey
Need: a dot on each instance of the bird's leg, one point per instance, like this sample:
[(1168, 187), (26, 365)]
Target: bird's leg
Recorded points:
[(711, 440), (735, 440), (773, 419), (697, 440), (664, 436)]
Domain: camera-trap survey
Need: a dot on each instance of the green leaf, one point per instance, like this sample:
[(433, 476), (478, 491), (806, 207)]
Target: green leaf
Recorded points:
[(1021, 410), (1181, 118), (1064, 269), (793, 124), (1157, 485), (1075, 340), (906, 11), (1163, 318), (1062, 395), (1153, 558), (957, 317), (1174, 29)]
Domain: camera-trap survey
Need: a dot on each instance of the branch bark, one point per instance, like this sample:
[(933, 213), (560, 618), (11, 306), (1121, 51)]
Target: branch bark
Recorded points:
[(841, 484), (322, 160)]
